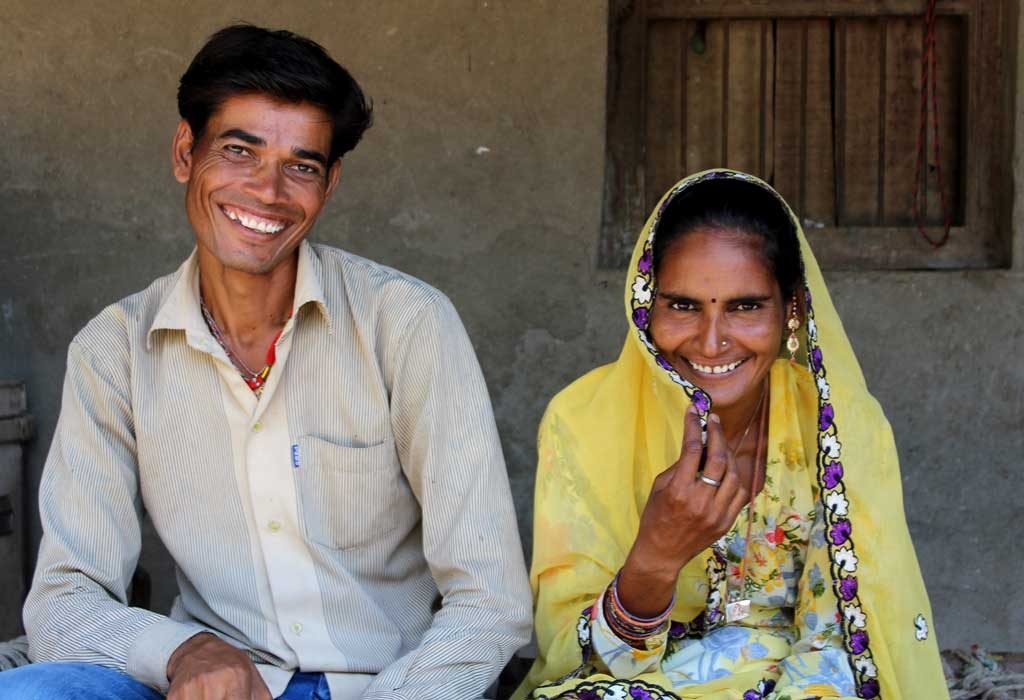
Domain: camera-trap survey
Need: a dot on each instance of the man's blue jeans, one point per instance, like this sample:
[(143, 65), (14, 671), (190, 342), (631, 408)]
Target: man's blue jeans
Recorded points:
[(74, 681)]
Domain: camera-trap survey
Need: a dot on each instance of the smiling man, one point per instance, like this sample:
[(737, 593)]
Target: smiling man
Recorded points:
[(309, 432)]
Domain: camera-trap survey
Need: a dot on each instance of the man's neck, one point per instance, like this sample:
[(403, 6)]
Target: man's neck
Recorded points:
[(249, 309)]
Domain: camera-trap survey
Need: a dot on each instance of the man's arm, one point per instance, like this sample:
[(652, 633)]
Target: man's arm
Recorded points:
[(90, 508), (450, 452)]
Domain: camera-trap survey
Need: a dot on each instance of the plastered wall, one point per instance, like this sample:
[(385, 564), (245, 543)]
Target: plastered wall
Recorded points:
[(482, 175)]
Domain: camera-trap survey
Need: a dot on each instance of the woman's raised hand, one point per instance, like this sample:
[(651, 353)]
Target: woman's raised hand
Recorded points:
[(684, 515)]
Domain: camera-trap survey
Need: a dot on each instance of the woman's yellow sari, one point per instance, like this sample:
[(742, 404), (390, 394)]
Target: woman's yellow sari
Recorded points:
[(604, 439)]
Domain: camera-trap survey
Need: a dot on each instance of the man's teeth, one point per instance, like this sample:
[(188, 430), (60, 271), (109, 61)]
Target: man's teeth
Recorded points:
[(254, 222), (719, 369)]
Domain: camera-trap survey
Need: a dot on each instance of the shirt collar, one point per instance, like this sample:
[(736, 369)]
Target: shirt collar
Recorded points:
[(309, 288), (180, 309)]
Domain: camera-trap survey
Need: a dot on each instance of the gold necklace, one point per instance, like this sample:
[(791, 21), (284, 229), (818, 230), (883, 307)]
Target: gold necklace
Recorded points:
[(737, 607), (750, 422)]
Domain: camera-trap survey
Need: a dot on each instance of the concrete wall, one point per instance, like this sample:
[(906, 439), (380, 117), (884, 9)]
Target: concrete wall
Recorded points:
[(482, 175)]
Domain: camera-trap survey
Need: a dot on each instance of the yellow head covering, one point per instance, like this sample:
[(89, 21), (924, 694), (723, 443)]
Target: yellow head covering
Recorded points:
[(604, 439)]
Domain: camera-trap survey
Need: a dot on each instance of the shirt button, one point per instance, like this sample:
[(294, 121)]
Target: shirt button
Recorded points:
[(273, 526), (297, 628), (257, 426)]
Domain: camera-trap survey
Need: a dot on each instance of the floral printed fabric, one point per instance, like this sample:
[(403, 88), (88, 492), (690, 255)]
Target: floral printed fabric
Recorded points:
[(794, 635)]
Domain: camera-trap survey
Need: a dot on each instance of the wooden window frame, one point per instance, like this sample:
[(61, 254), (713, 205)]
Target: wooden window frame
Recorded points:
[(985, 238)]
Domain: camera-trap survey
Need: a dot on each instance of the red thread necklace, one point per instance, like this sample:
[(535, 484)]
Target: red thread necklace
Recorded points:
[(254, 380)]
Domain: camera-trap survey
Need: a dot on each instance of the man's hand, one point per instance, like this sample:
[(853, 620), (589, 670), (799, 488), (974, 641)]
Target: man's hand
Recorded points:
[(207, 668), (682, 518)]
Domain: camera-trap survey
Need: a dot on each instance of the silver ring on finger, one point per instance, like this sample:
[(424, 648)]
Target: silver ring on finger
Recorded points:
[(709, 481)]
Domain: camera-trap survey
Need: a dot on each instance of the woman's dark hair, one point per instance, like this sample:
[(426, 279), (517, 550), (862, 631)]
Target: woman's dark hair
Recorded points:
[(736, 205), (244, 59)]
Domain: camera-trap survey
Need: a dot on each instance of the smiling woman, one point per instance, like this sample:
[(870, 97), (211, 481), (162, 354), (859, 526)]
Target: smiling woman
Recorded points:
[(682, 551)]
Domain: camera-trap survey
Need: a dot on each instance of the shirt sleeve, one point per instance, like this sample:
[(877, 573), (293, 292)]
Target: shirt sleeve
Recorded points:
[(450, 453), (90, 508), (818, 665), (618, 658)]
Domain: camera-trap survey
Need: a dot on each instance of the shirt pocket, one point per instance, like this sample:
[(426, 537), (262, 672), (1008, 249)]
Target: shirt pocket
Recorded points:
[(347, 494)]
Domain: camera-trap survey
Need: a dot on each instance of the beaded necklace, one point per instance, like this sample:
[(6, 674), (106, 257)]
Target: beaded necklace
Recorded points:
[(254, 380)]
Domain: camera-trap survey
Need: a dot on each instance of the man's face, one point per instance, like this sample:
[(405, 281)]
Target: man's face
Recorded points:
[(256, 180)]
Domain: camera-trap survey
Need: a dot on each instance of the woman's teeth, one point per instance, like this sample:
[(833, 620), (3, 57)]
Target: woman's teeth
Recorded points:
[(716, 369)]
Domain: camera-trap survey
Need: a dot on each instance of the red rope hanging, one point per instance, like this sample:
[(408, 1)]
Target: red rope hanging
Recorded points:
[(928, 63)]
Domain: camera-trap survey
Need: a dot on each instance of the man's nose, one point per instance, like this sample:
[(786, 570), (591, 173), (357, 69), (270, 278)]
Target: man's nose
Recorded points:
[(266, 183)]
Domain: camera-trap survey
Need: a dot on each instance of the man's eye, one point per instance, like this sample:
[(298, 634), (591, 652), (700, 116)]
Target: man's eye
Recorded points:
[(307, 169), (235, 148)]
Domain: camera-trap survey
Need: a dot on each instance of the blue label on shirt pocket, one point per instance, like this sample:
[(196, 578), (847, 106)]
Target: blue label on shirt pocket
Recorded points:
[(295, 455)]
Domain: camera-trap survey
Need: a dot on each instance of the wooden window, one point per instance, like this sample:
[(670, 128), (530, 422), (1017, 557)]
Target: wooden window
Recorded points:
[(822, 99)]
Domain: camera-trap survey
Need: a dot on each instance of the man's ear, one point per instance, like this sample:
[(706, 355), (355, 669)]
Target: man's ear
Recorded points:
[(333, 175), (181, 152)]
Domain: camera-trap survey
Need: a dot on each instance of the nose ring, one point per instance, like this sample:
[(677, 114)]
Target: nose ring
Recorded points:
[(724, 343)]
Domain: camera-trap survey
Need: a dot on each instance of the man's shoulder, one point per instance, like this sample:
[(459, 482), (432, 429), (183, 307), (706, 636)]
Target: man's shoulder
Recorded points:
[(126, 321), (369, 282)]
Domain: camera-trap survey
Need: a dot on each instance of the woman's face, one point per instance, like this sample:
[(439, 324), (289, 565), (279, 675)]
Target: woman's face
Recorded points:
[(719, 314)]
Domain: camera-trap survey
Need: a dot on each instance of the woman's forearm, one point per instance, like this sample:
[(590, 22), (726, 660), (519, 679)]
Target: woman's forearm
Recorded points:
[(645, 588)]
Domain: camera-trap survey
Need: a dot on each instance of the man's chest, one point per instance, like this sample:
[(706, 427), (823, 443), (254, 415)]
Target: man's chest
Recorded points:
[(315, 457)]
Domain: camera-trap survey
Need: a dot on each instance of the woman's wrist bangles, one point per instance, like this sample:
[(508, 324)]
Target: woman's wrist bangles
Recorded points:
[(628, 627)]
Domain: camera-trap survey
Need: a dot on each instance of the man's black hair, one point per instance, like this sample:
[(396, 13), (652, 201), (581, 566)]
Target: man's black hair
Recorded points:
[(730, 205), (245, 59)]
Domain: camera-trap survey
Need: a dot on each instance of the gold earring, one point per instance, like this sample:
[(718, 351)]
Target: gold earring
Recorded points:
[(792, 343)]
